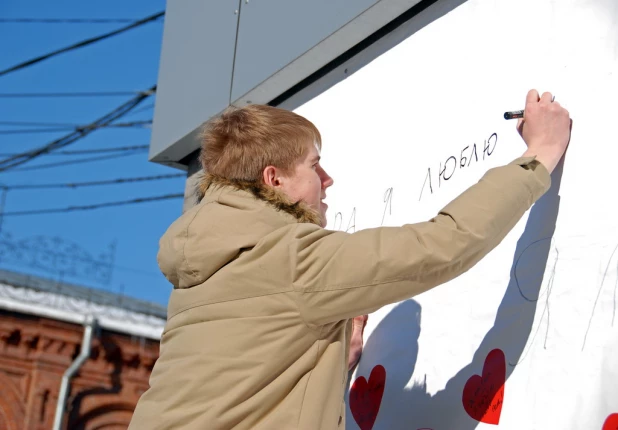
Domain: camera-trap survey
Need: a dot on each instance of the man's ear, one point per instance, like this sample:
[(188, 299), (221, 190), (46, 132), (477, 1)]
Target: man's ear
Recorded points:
[(270, 175)]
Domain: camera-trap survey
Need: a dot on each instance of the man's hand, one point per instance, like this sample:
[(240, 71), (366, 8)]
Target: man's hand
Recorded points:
[(356, 341), (546, 129)]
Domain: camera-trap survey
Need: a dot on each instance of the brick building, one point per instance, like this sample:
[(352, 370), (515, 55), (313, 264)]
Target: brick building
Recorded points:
[(41, 334)]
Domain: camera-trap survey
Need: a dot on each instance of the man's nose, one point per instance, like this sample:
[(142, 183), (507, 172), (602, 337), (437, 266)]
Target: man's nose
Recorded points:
[(327, 181)]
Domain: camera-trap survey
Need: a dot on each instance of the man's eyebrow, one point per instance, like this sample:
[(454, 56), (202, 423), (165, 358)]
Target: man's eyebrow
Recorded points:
[(316, 159)]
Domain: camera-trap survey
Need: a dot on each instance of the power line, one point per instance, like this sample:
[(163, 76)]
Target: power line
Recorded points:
[(89, 151), (134, 124), (95, 183), (92, 151), (82, 43), (139, 271), (142, 109), (37, 130), (96, 206), (66, 20), (79, 161), (64, 124), (72, 137), (37, 124), (72, 94)]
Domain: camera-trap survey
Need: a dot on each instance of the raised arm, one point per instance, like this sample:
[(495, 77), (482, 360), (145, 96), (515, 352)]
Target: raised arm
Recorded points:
[(339, 275)]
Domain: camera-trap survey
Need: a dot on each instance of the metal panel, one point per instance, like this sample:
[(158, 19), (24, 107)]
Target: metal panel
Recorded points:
[(347, 37), (199, 47), (423, 14), (195, 73), (274, 33)]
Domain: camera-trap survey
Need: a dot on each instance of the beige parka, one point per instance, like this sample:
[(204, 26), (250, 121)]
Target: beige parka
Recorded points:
[(258, 325)]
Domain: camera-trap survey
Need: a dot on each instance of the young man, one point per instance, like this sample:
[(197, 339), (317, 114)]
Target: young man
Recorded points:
[(260, 319)]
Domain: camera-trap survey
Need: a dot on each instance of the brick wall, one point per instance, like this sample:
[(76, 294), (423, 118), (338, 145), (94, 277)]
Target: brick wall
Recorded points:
[(36, 351)]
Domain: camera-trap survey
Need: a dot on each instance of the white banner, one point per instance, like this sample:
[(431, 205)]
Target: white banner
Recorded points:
[(528, 339)]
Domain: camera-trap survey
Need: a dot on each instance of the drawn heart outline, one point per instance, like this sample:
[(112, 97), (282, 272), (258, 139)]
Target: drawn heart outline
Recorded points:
[(366, 397), (611, 423), (483, 396)]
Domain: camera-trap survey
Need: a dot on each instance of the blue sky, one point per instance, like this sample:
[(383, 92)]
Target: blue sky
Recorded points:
[(125, 62)]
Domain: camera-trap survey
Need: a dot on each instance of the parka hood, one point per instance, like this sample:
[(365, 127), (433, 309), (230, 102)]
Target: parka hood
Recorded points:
[(232, 216)]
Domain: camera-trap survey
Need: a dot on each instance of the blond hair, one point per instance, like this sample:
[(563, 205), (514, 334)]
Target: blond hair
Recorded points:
[(240, 142)]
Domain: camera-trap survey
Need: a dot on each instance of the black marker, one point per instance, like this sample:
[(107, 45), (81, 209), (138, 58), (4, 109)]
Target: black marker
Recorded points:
[(514, 114)]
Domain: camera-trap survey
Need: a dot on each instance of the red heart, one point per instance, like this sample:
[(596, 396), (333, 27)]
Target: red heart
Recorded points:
[(611, 423), (365, 398), (483, 395)]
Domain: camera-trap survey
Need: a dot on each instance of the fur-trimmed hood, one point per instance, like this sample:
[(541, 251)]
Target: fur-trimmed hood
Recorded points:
[(232, 217), (299, 210)]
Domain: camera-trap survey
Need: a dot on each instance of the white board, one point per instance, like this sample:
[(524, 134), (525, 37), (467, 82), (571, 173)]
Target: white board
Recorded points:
[(539, 312)]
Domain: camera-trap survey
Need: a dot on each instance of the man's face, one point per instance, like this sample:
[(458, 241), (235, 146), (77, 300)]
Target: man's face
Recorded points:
[(309, 182)]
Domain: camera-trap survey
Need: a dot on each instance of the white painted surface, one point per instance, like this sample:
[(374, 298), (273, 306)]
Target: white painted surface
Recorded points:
[(548, 302)]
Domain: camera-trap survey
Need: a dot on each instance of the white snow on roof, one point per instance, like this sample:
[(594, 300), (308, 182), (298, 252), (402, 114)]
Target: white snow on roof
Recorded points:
[(35, 296)]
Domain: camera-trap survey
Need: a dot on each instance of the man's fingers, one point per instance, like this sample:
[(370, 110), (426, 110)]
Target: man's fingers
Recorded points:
[(546, 98), (532, 97), (360, 321)]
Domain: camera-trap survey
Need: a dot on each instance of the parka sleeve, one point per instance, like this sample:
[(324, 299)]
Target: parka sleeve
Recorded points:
[(338, 275)]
